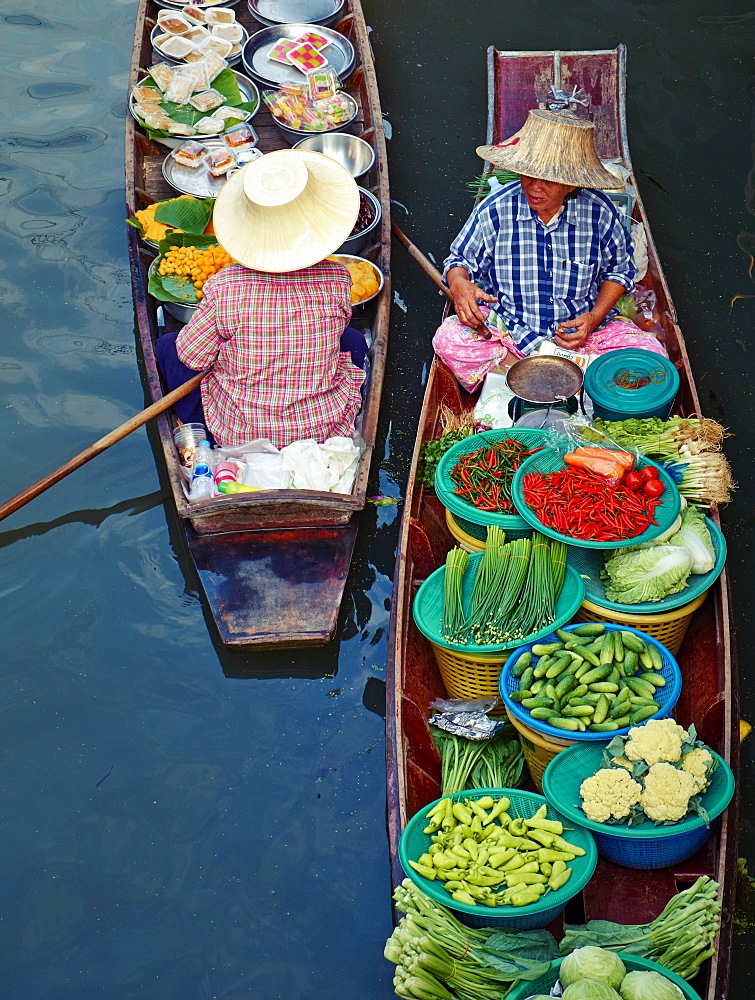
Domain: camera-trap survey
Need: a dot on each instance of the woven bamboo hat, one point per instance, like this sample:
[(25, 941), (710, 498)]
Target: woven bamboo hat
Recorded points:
[(286, 210), (553, 146)]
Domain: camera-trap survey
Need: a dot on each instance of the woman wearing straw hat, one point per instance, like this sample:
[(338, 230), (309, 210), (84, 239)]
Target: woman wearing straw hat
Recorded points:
[(272, 327), (550, 251)]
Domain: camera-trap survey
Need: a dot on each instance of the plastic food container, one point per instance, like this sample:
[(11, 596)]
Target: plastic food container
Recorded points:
[(414, 843), (632, 383)]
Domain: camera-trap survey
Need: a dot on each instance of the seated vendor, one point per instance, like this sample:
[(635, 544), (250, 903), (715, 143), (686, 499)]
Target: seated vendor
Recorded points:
[(272, 328), (550, 252)]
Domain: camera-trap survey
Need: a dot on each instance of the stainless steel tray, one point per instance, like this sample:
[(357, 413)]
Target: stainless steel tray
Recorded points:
[(544, 379), (249, 92), (340, 54), (198, 180), (273, 12), (233, 61)]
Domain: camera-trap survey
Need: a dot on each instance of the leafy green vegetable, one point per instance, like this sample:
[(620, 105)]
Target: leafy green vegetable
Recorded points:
[(647, 574), (494, 763), (592, 963), (646, 984), (695, 537), (627, 306), (590, 989), (191, 215), (433, 451), (225, 83)]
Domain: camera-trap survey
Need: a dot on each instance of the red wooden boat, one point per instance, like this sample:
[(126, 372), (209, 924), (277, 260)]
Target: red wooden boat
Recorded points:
[(273, 564), (519, 81)]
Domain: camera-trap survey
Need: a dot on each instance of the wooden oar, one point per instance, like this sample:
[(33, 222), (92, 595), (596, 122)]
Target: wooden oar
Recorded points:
[(432, 272), (99, 446)]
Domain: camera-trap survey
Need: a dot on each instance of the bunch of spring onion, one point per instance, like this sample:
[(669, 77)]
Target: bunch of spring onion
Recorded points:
[(681, 938), (688, 447), (431, 952), (496, 762), (514, 593)]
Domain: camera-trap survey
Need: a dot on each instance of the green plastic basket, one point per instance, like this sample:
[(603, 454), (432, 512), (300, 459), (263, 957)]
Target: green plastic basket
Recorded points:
[(633, 963), (428, 609), (549, 460), (414, 843), (589, 563), (645, 845), (470, 519)]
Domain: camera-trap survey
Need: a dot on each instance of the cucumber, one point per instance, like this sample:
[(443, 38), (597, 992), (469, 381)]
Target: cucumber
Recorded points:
[(620, 709), (657, 680), (596, 674), (538, 702), (537, 686), (527, 678), (573, 711), (642, 713), (631, 662), (544, 714), (522, 663), (601, 710), (579, 691), (606, 651), (550, 692), (632, 641), (520, 695), (647, 660), (605, 687), (544, 649), (641, 687), (571, 724), (558, 667), (655, 656), (639, 701), (606, 727), (565, 685), (590, 628), (587, 654), (615, 676), (542, 665), (618, 647)]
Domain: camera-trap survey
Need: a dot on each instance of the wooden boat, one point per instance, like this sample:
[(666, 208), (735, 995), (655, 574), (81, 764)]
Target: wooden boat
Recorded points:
[(273, 564), (517, 82)]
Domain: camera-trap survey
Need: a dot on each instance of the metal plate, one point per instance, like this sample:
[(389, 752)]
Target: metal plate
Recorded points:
[(249, 93), (272, 12), (181, 62), (340, 54), (544, 379), (198, 180)]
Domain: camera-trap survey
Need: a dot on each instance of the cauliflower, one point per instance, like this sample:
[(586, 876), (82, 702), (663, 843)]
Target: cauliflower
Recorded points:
[(656, 740), (609, 793), (623, 762), (698, 762), (667, 792)]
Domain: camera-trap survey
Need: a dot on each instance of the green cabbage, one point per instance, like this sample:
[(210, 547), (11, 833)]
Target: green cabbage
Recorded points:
[(695, 537), (647, 574), (648, 985), (590, 989), (592, 963)]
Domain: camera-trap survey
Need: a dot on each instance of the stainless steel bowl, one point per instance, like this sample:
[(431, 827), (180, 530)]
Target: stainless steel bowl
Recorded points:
[(355, 243), (353, 153), (378, 274), (272, 12), (296, 133)]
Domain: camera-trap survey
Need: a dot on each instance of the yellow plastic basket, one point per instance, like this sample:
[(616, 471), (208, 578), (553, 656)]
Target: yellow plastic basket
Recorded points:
[(668, 628), (471, 676), (538, 750), (466, 541)]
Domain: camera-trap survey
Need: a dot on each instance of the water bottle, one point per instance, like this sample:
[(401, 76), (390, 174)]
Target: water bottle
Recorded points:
[(201, 473)]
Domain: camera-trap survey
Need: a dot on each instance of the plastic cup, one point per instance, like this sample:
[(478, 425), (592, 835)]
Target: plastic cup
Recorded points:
[(186, 438)]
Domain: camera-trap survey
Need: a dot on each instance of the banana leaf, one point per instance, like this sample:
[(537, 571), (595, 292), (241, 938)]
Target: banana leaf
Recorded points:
[(190, 215), (170, 288), (225, 83)]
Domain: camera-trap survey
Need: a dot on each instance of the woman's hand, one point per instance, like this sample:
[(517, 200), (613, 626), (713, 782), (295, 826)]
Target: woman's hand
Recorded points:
[(573, 333), (465, 295)]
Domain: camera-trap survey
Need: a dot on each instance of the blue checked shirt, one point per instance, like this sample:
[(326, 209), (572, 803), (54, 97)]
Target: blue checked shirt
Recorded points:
[(543, 275)]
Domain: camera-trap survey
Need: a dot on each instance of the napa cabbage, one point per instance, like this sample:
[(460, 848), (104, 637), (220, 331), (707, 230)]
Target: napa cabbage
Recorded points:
[(647, 574), (695, 537)]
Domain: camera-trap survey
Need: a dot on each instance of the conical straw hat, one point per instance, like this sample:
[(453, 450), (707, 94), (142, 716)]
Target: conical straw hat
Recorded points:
[(553, 146), (286, 210)]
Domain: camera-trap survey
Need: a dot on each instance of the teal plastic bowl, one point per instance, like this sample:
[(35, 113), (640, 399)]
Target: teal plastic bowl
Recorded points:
[(589, 562), (428, 609), (414, 843), (645, 845), (633, 963), (548, 461)]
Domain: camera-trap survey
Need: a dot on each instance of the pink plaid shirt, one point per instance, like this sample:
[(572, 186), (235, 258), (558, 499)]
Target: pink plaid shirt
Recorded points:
[(273, 343)]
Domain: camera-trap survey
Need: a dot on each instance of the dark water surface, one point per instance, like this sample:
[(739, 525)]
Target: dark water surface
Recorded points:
[(181, 822)]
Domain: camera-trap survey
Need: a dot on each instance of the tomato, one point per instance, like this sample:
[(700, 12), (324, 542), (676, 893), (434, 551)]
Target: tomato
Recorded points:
[(653, 487), (649, 472), (633, 481)]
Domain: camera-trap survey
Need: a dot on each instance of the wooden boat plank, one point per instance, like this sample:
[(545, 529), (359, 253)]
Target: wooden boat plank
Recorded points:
[(275, 588), (707, 657)]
